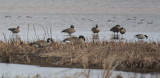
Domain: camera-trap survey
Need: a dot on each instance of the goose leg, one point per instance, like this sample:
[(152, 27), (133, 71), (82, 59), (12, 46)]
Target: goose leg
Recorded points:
[(117, 35)]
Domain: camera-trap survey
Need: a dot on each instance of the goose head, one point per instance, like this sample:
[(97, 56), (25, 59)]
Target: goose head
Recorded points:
[(49, 40), (18, 27), (96, 26), (72, 26), (146, 36), (82, 37), (121, 28)]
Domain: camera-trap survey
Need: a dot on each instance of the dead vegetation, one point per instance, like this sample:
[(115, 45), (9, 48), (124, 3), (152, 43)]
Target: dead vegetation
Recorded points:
[(124, 55)]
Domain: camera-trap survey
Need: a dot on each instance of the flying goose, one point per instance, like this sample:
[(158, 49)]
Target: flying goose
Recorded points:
[(42, 43), (95, 29), (116, 29), (141, 36), (14, 30), (69, 30), (79, 39)]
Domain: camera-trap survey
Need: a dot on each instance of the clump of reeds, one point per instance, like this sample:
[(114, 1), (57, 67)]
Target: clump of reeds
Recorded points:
[(128, 55)]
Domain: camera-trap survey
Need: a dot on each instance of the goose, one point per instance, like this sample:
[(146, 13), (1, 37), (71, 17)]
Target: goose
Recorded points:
[(69, 30), (95, 29), (79, 39), (141, 36), (42, 43), (116, 29), (122, 31), (14, 30)]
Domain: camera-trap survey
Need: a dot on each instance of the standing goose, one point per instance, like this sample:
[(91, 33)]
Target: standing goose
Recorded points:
[(122, 31), (79, 39), (141, 36), (14, 30), (42, 43), (116, 29), (95, 29), (69, 30)]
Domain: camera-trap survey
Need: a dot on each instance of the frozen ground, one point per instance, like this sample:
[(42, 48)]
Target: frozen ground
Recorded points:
[(13, 70), (137, 16)]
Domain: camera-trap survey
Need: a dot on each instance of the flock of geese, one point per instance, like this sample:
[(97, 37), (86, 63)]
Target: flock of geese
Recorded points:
[(41, 43), (116, 29)]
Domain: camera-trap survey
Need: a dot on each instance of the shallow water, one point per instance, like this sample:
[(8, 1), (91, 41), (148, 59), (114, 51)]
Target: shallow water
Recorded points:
[(52, 25), (52, 16), (12, 70)]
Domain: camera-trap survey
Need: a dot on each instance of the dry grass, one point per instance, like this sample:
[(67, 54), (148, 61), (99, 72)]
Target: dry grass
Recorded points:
[(121, 55)]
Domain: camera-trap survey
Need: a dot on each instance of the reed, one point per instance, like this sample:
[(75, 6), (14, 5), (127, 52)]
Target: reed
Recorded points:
[(35, 32), (28, 33), (106, 55), (128, 56)]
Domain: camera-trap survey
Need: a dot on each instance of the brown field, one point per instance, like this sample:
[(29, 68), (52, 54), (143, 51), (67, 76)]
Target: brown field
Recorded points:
[(128, 56)]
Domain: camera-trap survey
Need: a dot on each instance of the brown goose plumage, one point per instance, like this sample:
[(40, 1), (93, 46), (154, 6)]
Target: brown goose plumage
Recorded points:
[(95, 29), (70, 30), (116, 29), (141, 36), (42, 43), (79, 39), (14, 30), (122, 31)]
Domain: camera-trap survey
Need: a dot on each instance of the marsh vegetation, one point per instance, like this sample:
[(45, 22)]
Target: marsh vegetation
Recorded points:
[(138, 56)]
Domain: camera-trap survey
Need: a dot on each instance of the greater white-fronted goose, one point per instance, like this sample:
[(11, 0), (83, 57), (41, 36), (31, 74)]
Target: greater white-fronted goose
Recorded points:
[(69, 30)]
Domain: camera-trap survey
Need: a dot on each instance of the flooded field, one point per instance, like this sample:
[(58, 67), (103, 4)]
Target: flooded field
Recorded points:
[(15, 70), (33, 27), (50, 17), (42, 19)]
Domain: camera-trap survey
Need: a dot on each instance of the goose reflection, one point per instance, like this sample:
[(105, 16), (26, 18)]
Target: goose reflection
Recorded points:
[(95, 37), (115, 37)]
